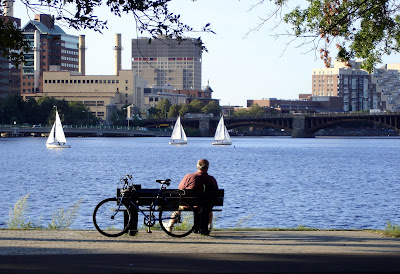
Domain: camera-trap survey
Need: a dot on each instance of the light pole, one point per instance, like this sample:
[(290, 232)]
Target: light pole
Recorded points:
[(2, 111), (87, 121)]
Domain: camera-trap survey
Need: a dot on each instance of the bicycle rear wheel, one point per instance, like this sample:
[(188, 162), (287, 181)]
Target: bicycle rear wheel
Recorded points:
[(177, 219), (111, 220)]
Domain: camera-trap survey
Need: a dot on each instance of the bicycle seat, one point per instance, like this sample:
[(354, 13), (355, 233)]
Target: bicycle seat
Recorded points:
[(164, 182)]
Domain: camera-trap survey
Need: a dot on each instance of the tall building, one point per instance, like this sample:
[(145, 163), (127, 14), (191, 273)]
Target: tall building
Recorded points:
[(10, 75), (166, 61), (351, 83), (387, 83), (50, 46)]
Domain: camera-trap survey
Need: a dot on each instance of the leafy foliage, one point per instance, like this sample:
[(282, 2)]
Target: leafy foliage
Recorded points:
[(212, 107), (358, 28), (42, 111), (253, 110), (196, 105), (173, 111), (163, 107), (12, 44)]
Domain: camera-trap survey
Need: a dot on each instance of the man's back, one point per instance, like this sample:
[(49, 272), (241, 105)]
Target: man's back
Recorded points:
[(199, 181)]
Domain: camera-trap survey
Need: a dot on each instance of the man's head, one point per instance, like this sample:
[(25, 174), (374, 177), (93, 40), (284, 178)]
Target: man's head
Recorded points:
[(202, 165)]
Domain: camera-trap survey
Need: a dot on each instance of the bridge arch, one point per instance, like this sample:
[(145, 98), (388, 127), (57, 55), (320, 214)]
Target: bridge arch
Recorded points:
[(313, 126)]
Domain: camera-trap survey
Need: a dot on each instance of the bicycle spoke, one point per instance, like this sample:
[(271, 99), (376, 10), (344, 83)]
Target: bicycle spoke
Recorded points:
[(177, 219), (109, 219)]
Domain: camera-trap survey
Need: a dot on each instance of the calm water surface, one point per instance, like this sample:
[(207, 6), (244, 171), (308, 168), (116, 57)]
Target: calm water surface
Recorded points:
[(268, 181)]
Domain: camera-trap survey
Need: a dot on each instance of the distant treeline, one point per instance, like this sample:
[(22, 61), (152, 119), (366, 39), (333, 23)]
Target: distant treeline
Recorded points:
[(16, 110)]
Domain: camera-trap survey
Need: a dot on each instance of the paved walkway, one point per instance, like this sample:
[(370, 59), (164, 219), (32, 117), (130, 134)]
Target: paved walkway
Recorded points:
[(41, 251)]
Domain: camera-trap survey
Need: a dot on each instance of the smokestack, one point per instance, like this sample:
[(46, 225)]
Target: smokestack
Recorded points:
[(8, 8), (37, 60), (118, 50), (82, 54)]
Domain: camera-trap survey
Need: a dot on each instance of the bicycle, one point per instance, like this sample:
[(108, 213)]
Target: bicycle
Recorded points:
[(112, 216)]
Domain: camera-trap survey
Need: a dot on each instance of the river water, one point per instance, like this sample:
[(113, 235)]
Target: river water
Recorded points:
[(327, 183)]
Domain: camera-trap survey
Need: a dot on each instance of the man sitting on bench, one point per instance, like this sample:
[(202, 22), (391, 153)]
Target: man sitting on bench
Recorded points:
[(201, 181)]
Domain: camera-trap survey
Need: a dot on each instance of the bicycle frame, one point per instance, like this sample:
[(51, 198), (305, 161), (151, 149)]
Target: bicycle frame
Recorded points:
[(150, 218)]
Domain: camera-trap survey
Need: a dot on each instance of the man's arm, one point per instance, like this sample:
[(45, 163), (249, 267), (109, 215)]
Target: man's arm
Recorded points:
[(183, 183)]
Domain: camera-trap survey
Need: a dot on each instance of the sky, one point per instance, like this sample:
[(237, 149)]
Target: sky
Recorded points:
[(238, 66)]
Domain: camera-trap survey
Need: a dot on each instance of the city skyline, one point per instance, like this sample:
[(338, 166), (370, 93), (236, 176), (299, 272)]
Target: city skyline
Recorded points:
[(237, 68)]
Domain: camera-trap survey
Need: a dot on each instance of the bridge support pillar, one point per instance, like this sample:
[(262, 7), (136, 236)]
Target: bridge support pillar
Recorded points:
[(204, 127), (299, 128)]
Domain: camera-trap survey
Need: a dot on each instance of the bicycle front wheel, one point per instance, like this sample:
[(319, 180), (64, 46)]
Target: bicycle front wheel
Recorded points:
[(110, 218), (177, 219)]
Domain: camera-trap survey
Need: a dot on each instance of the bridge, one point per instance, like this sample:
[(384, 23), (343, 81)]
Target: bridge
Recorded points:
[(83, 130), (300, 125)]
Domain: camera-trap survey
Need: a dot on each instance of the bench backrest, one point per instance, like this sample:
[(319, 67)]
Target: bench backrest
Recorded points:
[(191, 196)]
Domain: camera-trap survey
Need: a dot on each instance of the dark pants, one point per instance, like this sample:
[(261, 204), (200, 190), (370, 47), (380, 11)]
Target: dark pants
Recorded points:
[(201, 220)]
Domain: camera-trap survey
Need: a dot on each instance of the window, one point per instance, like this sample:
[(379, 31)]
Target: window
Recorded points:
[(126, 81)]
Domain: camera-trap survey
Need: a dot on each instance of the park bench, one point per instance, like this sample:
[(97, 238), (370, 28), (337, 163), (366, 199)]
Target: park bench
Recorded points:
[(197, 199)]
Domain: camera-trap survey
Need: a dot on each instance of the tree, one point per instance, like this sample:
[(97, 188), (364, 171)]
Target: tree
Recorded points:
[(256, 110), (196, 106), (184, 109), (150, 16), (212, 107), (173, 111), (163, 107), (358, 28), (11, 42), (240, 112)]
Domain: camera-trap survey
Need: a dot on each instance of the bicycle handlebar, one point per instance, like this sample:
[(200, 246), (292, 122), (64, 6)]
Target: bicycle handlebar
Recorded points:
[(164, 182)]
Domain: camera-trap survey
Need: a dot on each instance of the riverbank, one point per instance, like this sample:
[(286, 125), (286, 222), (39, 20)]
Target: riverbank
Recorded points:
[(49, 251)]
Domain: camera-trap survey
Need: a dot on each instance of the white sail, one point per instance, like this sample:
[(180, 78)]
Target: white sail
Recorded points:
[(60, 137), (178, 135), (57, 137), (222, 136), (50, 140)]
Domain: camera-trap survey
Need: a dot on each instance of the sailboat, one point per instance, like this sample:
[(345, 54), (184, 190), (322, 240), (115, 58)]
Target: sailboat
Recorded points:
[(222, 136), (178, 136), (56, 137)]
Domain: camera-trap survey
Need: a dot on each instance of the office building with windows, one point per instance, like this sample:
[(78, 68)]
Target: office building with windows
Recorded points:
[(50, 46), (387, 84), (165, 61), (352, 83)]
